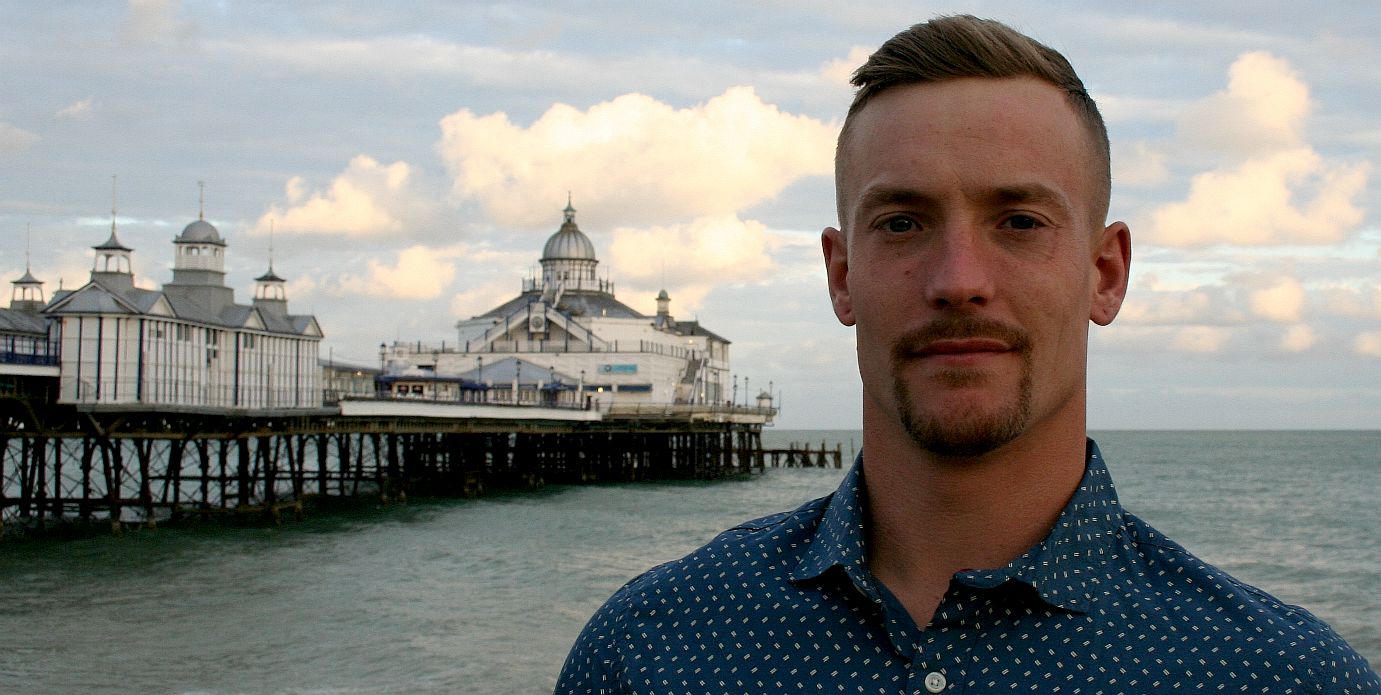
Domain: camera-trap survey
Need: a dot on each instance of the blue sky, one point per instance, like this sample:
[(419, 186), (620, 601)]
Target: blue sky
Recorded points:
[(412, 162)]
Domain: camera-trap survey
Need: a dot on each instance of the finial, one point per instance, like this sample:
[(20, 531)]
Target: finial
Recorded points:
[(201, 200), (270, 246), (28, 244), (570, 210), (113, 179)]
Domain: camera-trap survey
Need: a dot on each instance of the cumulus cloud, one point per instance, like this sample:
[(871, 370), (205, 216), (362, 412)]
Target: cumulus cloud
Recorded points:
[(1368, 344), (14, 139), (1298, 338), (1352, 302), (77, 110), (696, 257), (418, 272), (840, 70), (1263, 109), (1282, 302), (1194, 339), (634, 159), (1139, 164), (367, 199), (1270, 186)]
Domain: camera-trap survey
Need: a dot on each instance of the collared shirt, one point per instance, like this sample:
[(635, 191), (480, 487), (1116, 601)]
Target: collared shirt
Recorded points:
[(1104, 604)]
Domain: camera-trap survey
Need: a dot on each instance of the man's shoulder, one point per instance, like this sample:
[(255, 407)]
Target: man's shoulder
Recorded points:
[(744, 556), (1224, 609)]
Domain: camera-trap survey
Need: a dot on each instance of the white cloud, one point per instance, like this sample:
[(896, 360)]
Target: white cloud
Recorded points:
[(1350, 302), (1138, 164), (367, 199), (696, 257), (1194, 339), (1270, 187), (1199, 339), (1298, 338), (1254, 204), (1368, 344), (1282, 302), (1262, 110), (634, 159), (77, 110), (14, 139), (419, 272), (841, 70)]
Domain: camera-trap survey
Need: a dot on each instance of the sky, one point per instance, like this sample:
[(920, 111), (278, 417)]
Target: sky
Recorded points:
[(411, 160)]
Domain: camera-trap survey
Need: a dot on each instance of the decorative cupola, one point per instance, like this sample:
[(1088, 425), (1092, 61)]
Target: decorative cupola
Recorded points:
[(112, 266), (270, 292), (663, 305), (568, 259), (28, 293), (199, 253)]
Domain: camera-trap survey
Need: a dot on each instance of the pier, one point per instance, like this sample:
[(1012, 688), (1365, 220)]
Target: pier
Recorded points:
[(61, 465)]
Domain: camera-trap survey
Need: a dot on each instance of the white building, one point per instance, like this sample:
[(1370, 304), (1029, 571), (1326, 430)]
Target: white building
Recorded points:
[(188, 345), (568, 324)]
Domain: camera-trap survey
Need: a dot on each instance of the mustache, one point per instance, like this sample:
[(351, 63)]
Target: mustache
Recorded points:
[(960, 328)]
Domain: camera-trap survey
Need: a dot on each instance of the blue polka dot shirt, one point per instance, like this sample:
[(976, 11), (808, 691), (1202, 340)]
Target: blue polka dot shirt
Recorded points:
[(1105, 604)]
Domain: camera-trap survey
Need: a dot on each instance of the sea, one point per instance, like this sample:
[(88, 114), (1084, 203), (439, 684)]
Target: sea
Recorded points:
[(486, 595)]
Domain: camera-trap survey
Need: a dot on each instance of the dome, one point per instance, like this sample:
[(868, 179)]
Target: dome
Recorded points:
[(569, 243), (200, 232)]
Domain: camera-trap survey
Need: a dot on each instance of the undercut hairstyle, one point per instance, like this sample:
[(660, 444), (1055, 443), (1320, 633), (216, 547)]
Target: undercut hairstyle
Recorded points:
[(958, 46)]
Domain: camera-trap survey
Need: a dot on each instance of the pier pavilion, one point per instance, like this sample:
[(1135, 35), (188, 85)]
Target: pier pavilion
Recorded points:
[(186, 345), (567, 323)]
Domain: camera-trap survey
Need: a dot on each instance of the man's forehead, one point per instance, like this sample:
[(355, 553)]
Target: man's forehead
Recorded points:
[(1033, 116)]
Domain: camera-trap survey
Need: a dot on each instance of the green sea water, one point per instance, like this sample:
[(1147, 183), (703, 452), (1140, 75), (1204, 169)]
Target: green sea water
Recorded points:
[(485, 596)]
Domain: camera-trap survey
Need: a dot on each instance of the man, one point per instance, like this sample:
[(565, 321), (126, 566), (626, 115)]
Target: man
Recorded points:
[(977, 545)]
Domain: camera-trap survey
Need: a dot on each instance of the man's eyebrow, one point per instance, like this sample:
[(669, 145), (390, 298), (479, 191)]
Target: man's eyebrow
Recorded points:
[(881, 196), (1033, 193)]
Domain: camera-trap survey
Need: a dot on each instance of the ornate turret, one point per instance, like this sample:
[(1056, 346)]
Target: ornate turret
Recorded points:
[(663, 304), (112, 264), (28, 293), (270, 292), (199, 264)]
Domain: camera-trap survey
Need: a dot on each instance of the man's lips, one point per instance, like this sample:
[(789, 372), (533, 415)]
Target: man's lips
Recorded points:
[(961, 347)]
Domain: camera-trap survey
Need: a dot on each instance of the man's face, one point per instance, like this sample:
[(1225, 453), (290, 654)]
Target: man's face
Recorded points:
[(972, 257)]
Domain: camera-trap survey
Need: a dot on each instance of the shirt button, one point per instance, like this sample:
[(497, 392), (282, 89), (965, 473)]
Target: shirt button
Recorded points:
[(934, 681)]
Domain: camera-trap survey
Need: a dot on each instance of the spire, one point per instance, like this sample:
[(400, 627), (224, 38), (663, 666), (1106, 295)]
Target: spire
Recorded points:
[(570, 211), (201, 200)]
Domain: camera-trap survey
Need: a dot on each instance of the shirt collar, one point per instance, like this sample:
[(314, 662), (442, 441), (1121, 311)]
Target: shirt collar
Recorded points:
[(1061, 568)]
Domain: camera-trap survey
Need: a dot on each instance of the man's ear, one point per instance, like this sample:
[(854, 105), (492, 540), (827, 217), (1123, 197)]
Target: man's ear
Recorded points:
[(1112, 264), (836, 248)]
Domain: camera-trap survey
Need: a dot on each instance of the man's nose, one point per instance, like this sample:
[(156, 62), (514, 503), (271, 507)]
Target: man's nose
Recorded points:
[(959, 273)]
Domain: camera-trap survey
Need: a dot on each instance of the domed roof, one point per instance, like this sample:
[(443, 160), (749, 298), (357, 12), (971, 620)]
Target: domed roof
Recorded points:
[(569, 243), (200, 232)]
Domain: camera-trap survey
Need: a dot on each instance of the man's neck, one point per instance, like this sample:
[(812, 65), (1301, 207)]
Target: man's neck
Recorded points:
[(931, 516)]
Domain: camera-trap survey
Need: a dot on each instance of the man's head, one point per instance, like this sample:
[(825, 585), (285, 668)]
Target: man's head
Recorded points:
[(947, 48), (972, 252)]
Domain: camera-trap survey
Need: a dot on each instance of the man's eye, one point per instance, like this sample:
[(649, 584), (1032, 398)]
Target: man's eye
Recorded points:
[(1023, 222), (899, 225)]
